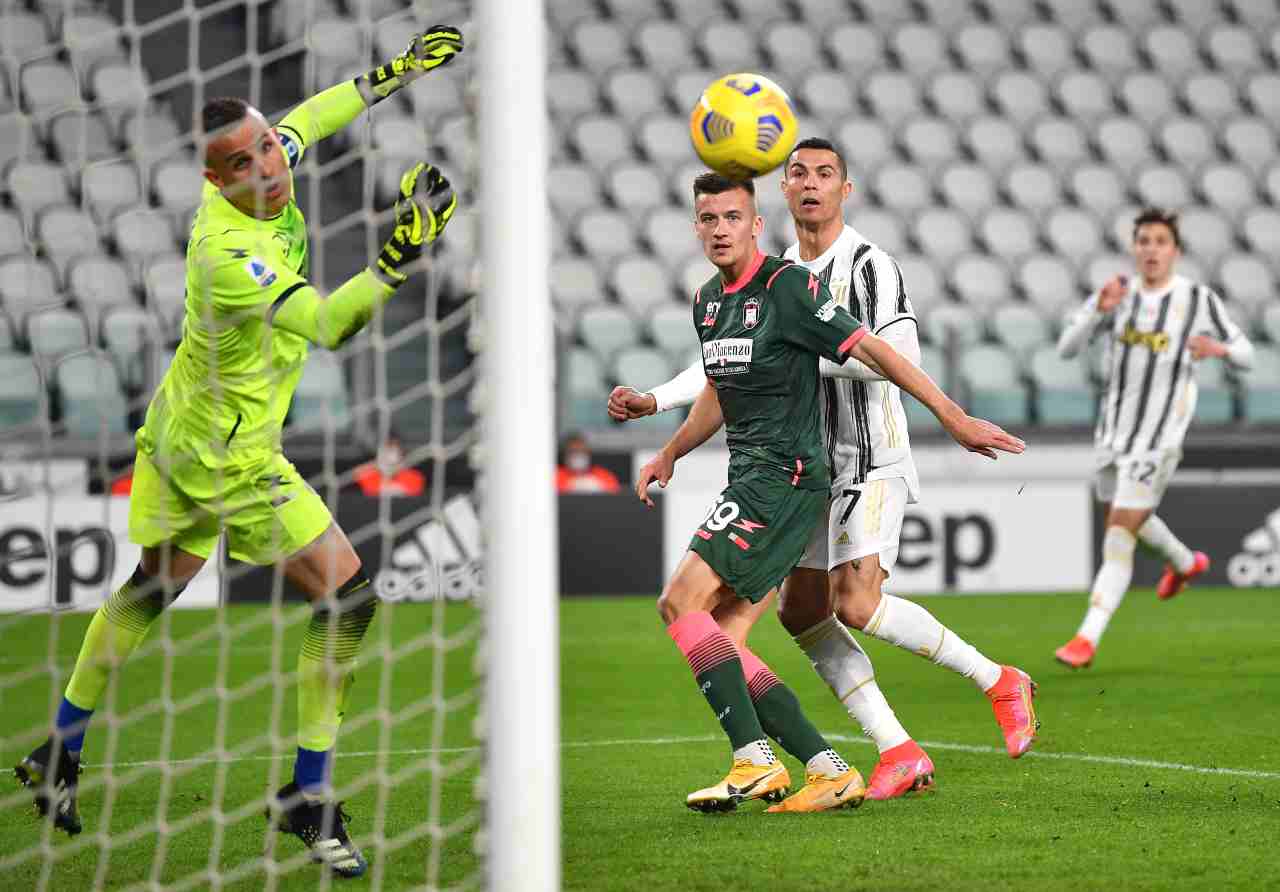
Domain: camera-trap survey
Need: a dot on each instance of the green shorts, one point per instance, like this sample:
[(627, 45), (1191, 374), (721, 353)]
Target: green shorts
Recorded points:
[(757, 531), (267, 509)]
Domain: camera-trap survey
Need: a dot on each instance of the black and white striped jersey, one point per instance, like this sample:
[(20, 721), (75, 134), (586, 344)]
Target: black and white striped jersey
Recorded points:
[(866, 426), (1150, 395)]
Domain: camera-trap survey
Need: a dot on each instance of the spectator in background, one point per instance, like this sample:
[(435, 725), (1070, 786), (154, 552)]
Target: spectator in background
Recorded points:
[(577, 473), (386, 473)]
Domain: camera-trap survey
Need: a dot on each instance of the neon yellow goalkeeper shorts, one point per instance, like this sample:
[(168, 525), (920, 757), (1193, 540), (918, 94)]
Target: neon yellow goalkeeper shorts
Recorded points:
[(268, 511)]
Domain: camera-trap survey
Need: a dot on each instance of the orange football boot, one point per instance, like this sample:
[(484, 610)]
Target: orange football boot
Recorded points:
[(902, 769), (1173, 582), (1011, 698), (1076, 653)]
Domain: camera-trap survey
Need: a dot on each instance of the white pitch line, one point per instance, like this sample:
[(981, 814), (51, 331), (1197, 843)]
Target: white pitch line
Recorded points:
[(1127, 761)]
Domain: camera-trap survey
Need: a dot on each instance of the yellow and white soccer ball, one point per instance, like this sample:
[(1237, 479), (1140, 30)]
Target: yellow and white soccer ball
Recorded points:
[(743, 126)]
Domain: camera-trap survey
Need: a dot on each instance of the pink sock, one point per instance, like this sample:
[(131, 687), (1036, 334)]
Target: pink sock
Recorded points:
[(702, 641), (759, 676)]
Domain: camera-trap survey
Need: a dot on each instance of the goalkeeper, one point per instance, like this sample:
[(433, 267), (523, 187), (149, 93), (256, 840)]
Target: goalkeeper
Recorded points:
[(209, 454)]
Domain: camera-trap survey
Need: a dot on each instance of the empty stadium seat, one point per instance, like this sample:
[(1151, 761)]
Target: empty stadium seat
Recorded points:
[(1187, 142), (1147, 97), (1059, 142), (956, 95), (1073, 15), (633, 12), (1107, 265), (1049, 282), (634, 93), (1214, 404), (664, 139), (1164, 185), (571, 93), (48, 87), (996, 141), (17, 139), (866, 146), (26, 285), (1233, 50), (96, 281), (1250, 142), (857, 49), (921, 49), (968, 188), (793, 48), (663, 45), (164, 283), (884, 228), (921, 279), (1033, 187), (598, 45), (1261, 396), (894, 97), (1097, 187), (1262, 231), (153, 135), (636, 187), (1020, 97), (35, 186), (1247, 278), (942, 234), (583, 375), (641, 367), (1019, 327), (949, 324), (320, 401), (54, 332), (602, 140), (641, 283), (141, 234), (1211, 98), (1228, 187), (1063, 395), (8, 336), (931, 142), (670, 232), (1008, 233), (1085, 96), (1172, 51), (694, 273), (13, 239), (66, 233), (671, 328), (981, 281), (80, 137), (995, 390), (1271, 185), (23, 35), (1196, 15), (119, 88), (886, 13), (575, 282), (1109, 50), (1073, 233), (130, 336), (1263, 92), (1207, 235), (606, 328), (21, 392), (729, 46), (823, 15), (983, 49), (933, 361), (827, 94), (1047, 49), (573, 188), (1124, 144), (109, 188), (902, 188), (179, 186)]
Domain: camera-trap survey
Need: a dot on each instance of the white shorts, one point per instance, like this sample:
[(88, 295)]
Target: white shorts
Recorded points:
[(862, 519), (1136, 481)]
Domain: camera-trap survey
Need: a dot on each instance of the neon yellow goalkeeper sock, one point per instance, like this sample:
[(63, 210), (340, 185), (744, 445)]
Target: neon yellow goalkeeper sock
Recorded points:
[(115, 632), (327, 660)]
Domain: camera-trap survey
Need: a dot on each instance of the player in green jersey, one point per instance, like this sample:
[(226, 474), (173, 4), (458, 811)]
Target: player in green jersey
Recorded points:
[(764, 322), (209, 457)]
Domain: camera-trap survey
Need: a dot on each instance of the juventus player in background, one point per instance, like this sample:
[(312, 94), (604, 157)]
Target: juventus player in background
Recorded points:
[(838, 582), (1158, 327)]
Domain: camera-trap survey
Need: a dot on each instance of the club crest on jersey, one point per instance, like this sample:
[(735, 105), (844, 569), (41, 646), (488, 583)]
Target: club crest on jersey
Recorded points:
[(751, 312), (260, 272), (713, 310)]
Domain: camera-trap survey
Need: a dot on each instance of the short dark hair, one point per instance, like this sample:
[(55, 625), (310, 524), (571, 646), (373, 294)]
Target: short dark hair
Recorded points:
[(817, 142), (712, 183), (220, 112), (1158, 215)]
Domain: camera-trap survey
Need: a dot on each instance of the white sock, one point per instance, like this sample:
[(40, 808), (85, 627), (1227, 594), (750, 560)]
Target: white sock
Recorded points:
[(1111, 583), (827, 763), (1156, 534), (846, 669), (911, 627), (758, 751)]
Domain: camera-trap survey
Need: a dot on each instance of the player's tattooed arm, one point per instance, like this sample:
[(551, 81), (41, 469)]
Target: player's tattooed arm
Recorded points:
[(705, 418), (974, 434)]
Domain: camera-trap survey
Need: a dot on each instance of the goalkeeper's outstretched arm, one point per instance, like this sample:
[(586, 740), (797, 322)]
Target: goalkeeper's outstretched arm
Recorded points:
[(333, 109), (425, 206)]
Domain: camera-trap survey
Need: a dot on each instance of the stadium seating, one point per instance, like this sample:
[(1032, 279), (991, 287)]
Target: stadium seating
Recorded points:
[(320, 402), (21, 392), (991, 379), (1063, 396), (87, 391)]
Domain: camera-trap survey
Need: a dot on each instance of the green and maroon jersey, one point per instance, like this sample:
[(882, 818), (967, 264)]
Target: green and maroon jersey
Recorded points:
[(761, 339)]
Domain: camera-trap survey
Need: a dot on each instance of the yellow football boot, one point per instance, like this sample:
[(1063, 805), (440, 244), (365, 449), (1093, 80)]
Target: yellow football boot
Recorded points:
[(746, 780), (822, 793)]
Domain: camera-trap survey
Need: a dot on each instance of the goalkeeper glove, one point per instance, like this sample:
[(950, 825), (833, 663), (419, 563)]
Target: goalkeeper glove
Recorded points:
[(425, 205), (436, 46)]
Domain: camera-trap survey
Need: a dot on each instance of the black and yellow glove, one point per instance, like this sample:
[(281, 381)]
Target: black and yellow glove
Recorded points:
[(438, 45), (424, 207)]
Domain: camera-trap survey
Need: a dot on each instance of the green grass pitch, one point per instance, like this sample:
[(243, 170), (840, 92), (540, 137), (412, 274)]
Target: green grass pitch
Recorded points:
[(1121, 791)]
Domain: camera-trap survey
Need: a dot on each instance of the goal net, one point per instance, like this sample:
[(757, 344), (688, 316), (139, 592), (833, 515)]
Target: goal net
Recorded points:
[(395, 430)]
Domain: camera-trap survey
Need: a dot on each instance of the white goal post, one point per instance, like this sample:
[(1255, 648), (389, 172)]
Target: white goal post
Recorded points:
[(522, 702)]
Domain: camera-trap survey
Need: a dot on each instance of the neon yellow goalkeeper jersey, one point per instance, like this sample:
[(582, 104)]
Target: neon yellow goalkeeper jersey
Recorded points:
[(228, 389)]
